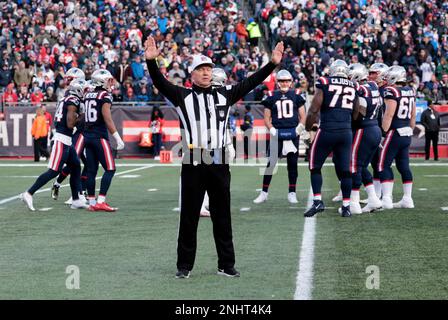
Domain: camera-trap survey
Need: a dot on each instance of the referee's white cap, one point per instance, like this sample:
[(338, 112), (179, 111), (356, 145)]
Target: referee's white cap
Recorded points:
[(199, 60)]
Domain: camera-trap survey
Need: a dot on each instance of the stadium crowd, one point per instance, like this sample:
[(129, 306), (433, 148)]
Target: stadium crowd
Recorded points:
[(41, 40)]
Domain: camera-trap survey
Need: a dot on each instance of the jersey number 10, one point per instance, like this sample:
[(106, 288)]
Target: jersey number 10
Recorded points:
[(284, 109), (91, 113)]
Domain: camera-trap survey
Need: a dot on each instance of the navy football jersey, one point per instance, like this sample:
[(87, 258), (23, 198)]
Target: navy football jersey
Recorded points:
[(95, 126), (383, 106), (405, 98), (60, 117), (284, 108), (337, 107), (371, 94)]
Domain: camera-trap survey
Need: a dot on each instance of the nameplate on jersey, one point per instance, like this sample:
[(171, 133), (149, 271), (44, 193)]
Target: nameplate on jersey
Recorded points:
[(286, 133), (63, 138), (405, 131)]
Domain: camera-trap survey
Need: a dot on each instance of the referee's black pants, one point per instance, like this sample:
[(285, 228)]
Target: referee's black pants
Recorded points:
[(434, 137), (195, 180)]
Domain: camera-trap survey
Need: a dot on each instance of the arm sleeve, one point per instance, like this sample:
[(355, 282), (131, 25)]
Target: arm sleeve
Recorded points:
[(236, 92), (169, 90)]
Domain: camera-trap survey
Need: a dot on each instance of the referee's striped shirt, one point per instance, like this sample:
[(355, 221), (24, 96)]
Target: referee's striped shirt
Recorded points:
[(204, 112)]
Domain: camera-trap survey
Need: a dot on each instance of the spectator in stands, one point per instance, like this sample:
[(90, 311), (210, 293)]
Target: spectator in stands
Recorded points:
[(22, 74), (39, 131), (137, 69), (5, 76), (10, 95), (37, 96), (156, 126), (49, 95)]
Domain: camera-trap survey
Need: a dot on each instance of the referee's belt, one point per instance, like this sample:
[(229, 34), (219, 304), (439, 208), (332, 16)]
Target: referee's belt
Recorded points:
[(204, 156)]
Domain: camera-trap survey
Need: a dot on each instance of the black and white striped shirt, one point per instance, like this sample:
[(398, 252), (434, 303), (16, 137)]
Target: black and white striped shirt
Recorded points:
[(204, 112)]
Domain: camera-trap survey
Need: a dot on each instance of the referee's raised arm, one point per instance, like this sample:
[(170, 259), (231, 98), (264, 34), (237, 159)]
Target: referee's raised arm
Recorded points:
[(169, 90), (242, 88)]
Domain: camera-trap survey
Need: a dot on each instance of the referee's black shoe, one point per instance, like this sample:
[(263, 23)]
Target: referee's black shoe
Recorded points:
[(318, 206), (228, 272), (182, 274)]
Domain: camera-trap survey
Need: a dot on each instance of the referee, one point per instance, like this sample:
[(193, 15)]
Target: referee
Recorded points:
[(203, 112)]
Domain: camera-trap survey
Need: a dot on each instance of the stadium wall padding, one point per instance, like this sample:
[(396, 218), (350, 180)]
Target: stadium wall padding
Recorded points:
[(16, 140)]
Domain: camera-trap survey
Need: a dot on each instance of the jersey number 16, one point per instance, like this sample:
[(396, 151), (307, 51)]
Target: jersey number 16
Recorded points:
[(91, 113)]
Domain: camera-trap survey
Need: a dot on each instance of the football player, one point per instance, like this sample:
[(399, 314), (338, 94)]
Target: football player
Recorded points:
[(366, 139), (284, 116), (377, 73), (77, 141), (63, 151), (398, 123), (337, 103), (98, 122)]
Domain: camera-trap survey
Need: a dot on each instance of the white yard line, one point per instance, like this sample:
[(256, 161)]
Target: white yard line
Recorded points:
[(304, 280), (3, 201)]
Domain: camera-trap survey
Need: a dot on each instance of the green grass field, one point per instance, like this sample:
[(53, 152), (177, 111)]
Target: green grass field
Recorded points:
[(131, 254)]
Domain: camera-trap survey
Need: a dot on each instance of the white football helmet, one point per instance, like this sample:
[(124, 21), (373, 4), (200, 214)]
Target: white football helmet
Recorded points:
[(379, 69), (219, 77), (339, 68), (102, 78), (395, 74), (284, 75), (74, 73), (77, 87), (357, 72)]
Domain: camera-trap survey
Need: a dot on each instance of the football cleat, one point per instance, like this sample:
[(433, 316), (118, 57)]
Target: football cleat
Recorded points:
[(262, 197), (405, 203), (364, 201), (355, 208), (69, 201), (387, 203), (28, 199), (102, 207), (55, 192), (79, 204), (292, 197), (337, 198), (373, 205), (345, 212), (318, 206)]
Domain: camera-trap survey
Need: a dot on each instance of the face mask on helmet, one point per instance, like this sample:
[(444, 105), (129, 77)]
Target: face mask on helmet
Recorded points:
[(284, 80), (358, 72), (377, 72), (339, 68), (77, 87), (103, 78), (72, 74), (396, 74)]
